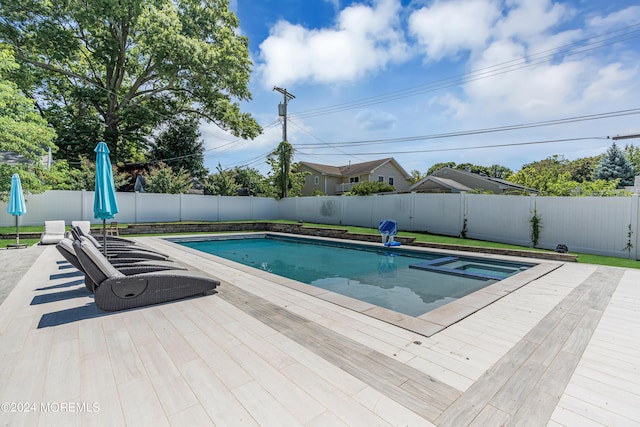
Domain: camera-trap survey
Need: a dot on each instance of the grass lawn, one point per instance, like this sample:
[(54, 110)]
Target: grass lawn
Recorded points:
[(421, 237)]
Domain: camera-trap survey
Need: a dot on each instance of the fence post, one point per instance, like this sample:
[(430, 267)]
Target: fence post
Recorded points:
[(633, 223), (135, 207), (532, 209), (462, 211), (83, 195), (412, 211)]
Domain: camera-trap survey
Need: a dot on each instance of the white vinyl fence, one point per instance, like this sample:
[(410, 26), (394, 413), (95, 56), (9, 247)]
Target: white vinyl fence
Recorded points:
[(596, 225)]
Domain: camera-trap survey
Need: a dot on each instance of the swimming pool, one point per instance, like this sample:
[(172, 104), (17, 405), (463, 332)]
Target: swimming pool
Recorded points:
[(404, 281)]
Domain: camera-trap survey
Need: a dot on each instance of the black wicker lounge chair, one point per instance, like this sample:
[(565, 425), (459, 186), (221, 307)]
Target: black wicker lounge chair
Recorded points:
[(114, 291), (86, 230), (117, 249), (127, 266)]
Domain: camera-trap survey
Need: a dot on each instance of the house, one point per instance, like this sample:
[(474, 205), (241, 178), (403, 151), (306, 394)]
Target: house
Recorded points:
[(449, 180), (14, 159), (336, 180)]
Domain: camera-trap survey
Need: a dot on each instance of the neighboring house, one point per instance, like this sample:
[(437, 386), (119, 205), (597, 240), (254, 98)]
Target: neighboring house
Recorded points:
[(10, 158), (449, 180), (336, 180)]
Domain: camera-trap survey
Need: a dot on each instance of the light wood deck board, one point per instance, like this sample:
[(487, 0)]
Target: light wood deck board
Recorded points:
[(382, 372), (516, 383)]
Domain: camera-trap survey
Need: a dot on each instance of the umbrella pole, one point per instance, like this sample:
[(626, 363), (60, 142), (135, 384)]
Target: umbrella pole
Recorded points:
[(17, 234), (104, 237)]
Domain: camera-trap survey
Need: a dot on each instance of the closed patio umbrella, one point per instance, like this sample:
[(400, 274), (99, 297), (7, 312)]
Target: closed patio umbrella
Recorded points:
[(16, 205), (105, 205)]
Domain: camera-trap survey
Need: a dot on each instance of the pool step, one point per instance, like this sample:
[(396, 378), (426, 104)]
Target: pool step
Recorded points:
[(435, 265)]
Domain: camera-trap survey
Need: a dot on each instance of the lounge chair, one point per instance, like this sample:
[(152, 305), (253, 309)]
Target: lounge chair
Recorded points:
[(54, 231), (388, 228), (85, 226), (110, 239), (127, 266), (115, 291), (115, 249)]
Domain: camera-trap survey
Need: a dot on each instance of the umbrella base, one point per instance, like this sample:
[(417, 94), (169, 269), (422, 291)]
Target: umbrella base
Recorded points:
[(17, 246)]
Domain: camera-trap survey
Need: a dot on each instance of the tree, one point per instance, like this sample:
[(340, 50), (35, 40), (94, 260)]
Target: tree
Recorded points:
[(252, 182), (285, 180), (441, 165), (22, 130), (162, 179), (416, 176), (131, 64), (614, 165), (222, 183), (179, 146), (369, 187), (499, 171), (581, 170), (632, 153), (84, 177)]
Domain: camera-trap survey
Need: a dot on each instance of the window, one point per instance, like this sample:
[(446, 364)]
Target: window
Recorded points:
[(316, 180), (380, 178), (390, 180), (354, 179)]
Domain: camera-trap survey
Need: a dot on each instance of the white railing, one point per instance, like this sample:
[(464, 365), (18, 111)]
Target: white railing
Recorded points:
[(343, 188)]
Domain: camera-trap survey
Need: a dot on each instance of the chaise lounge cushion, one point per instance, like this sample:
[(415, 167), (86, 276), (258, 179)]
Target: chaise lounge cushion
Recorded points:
[(54, 231), (127, 266), (116, 291)]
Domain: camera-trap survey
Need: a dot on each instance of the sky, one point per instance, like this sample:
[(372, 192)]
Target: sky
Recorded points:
[(505, 82)]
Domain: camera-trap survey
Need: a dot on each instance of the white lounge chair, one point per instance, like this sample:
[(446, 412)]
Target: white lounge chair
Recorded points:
[(85, 226), (54, 231)]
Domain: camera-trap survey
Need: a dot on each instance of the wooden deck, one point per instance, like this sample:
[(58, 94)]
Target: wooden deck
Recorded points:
[(561, 351)]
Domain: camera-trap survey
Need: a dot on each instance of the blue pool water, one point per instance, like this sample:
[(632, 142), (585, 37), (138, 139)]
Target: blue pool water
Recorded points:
[(409, 282)]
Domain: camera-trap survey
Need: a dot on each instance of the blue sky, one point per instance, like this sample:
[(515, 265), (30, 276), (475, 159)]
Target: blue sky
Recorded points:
[(386, 78)]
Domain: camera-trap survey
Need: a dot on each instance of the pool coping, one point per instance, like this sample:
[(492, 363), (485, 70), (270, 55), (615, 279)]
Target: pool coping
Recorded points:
[(427, 324)]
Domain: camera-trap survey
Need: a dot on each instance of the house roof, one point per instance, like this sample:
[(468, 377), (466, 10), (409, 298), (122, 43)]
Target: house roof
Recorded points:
[(14, 159), (440, 182), (355, 168), (453, 179)]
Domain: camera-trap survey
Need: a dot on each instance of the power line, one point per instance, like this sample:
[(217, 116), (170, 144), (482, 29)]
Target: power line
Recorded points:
[(597, 42), (589, 117), (434, 150), (323, 142)]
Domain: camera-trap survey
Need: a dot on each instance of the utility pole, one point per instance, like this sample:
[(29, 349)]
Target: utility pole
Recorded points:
[(282, 109), (285, 151)]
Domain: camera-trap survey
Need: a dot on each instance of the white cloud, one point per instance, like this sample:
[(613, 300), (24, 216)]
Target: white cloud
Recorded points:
[(364, 39), (375, 120), (530, 18), (616, 20), (446, 28), (518, 76)]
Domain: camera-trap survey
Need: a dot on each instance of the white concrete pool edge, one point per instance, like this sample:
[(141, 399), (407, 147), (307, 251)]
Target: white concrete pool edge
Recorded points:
[(425, 325)]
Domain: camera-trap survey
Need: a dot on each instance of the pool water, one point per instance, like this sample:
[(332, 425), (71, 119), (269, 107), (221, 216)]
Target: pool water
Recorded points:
[(409, 282)]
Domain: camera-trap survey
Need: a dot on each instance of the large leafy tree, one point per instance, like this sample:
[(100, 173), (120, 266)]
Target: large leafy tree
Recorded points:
[(180, 147), (252, 183), (221, 183), (614, 165), (632, 153), (129, 65), (162, 179), (23, 131)]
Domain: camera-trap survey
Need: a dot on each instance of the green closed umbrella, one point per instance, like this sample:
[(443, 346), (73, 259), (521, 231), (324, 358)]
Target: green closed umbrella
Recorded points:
[(16, 205), (105, 205)]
